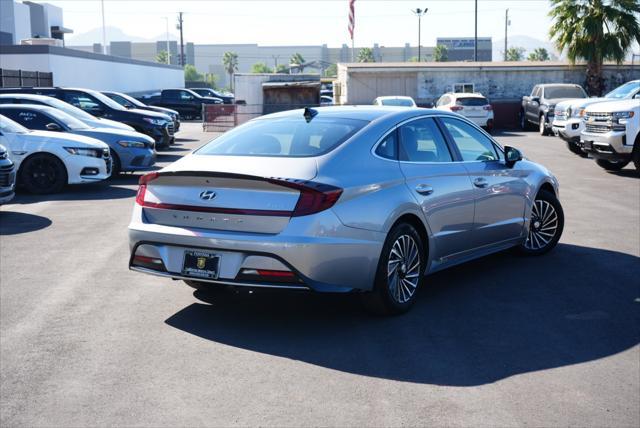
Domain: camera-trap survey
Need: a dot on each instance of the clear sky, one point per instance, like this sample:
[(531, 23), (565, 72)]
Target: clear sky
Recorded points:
[(303, 22)]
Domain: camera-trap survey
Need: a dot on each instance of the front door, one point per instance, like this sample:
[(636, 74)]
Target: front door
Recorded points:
[(500, 191), (440, 185)]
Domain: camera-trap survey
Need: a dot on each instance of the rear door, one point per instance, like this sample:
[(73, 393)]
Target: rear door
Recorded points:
[(439, 184), (500, 191)]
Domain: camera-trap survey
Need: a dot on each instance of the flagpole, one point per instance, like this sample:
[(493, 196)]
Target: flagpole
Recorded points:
[(353, 49)]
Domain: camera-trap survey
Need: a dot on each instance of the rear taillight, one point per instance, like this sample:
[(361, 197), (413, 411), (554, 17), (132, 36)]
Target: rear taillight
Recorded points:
[(266, 275), (314, 197), (488, 107), (456, 108), (142, 189)]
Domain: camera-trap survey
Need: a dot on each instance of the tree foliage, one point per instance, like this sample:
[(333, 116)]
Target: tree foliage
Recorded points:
[(538, 54), (331, 71), (162, 57), (261, 67), (515, 54), (230, 64), (365, 55), (282, 69), (297, 59), (595, 31), (440, 53), (191, 74)]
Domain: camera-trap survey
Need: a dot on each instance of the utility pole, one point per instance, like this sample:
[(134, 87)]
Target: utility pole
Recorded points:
[(104, 30), (182, 59), (506, 24), (166, 18), (275, 60), (475, 45), (419, 13)]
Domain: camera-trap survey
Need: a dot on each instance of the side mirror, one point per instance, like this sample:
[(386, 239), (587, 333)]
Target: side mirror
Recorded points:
[(535, 100), (511, 155), (53, 127)]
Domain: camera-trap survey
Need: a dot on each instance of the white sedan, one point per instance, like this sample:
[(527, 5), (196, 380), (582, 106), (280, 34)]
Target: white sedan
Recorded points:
[(396, 101), (46, 161)]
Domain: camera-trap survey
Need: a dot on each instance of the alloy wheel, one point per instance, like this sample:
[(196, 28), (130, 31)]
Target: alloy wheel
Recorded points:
[(403, 269), (543, 227), (42, 173)]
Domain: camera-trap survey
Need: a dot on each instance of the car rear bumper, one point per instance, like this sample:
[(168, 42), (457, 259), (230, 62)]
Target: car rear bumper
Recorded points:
[(335, 258)]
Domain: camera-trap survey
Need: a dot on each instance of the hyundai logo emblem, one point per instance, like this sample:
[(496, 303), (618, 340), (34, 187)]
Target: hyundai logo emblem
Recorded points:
[(208, 195)]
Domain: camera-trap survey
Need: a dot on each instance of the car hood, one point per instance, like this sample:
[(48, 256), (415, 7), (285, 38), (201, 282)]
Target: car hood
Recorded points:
[(163, 110), (257, 166), (64, 139), (150, 113), (111, 134), (555, 101), (108, 123), (614, 106)]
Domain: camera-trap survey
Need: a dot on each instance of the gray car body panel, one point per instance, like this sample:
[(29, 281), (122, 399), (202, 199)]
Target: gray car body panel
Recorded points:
[(338, 249)]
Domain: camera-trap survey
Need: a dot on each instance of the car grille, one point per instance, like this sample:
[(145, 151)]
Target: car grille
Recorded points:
[(7, 175), (601, 117), (597, 129), (170, 129)]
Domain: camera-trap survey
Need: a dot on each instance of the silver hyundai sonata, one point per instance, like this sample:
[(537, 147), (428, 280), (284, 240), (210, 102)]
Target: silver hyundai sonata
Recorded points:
[(342, 199)]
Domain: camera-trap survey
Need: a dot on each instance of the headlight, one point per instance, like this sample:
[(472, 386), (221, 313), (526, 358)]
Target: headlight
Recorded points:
[(580, 112), (82, 151), (154, 121), (3, 154), (132, 144), (621, 117)]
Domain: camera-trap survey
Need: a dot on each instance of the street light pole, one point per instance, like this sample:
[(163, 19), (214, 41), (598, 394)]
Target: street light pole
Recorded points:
[(506, 24), (419, 13), (104, 30), (475, 45), (166, 18)]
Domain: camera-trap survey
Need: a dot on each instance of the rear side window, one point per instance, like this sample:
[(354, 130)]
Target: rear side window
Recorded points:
[(422, 141), (472, 102), (388, 148), (284, 137)]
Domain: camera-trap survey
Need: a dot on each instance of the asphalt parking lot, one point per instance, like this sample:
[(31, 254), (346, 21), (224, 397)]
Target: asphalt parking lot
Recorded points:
[(502, 341)]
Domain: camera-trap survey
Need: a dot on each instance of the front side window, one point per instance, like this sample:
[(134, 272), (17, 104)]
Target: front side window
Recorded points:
[(472, 144), (185, 96), (69, 121), (422, 141), (284, 137), (82, 101)]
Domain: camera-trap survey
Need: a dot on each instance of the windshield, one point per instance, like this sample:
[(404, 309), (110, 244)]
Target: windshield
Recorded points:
[(625, 91), (105, 99), (69, 109), (472, 102), (9, 126), (402, 102), (67, 119), (285, 137), (132, 100), (564, 92)]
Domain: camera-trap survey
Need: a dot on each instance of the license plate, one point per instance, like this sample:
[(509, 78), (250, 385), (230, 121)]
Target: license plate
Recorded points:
[(200, 264), (588, 145)]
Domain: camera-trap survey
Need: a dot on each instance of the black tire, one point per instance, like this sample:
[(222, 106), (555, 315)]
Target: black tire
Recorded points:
[(636, 154), (574, 148), (611, 166), (524, 123), (541, 223), (385, 299), (542, 126), (116, 165), (43, 174)]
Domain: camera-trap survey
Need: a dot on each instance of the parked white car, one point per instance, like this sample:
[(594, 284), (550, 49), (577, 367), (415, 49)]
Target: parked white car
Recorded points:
[(71, 110), (568, 121), (473, 106), (396, 101), (612, 133), (46, 161)]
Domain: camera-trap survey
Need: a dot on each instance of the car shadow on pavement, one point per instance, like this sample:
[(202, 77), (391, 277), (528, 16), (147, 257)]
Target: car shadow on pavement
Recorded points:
[(474, 324), (15, 223), (85, 192)]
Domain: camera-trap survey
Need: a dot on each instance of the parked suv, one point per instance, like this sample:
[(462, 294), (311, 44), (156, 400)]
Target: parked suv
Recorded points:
[(568, 121), (129, 102), (473, 106), (7, 176), (212, 93), (539, 107), (184, 101), (612, 133), (157, 126)]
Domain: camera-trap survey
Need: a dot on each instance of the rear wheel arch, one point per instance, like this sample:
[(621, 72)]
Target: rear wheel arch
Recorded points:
[(417, 223), (548, 187)]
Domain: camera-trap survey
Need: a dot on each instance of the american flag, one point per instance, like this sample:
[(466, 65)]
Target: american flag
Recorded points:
[(352, 17)]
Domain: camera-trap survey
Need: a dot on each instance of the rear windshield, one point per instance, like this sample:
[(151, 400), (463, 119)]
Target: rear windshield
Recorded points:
[(284, 137), (472, 102), (564, 92), (397, 102)]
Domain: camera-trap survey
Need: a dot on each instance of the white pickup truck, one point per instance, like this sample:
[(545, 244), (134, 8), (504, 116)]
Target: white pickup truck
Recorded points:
[(568, 121), (612, 133)]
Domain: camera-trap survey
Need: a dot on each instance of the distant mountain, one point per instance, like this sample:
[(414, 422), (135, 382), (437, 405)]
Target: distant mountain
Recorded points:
[(114, 34), (526, 42)]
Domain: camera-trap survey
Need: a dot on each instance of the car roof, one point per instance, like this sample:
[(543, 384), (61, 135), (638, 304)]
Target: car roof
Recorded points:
[(394, 97), (361, 112), (27, 96), (549, 85)]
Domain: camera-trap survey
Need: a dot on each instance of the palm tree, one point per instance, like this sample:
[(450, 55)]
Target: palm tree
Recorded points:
[(230, 63), (515, 54), (365, 55), (297, 59), (596, 31), (440, 53)]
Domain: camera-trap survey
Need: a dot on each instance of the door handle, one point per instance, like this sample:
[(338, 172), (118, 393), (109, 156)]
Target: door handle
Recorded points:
[(424, 189), (480, 182)]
